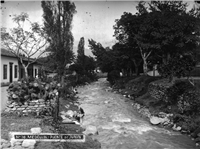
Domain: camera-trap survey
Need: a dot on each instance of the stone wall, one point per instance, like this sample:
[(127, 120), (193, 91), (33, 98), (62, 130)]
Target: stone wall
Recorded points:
[(33, 106)]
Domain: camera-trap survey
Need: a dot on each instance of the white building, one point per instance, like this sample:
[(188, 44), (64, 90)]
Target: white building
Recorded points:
[(11, 68)]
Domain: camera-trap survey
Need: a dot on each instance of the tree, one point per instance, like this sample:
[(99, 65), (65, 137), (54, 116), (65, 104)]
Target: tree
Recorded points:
[(127, 59), (104, 56), (84, 64), (25, 44), (81, 53), (160, 30), (177, 32), (126, 29), (179, 66), (58, 16)]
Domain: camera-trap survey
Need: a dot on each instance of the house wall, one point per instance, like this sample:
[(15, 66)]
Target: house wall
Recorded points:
[(6, 61), (3, 97), (153, 73)]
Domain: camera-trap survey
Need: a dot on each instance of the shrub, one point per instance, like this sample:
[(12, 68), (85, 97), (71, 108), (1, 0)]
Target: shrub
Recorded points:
[(113, 76), (158, 91), (181, 94), (189, 102), (177, 90), (28, 89)]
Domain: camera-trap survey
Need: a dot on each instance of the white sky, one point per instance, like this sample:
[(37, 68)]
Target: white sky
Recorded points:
[(93, 20)]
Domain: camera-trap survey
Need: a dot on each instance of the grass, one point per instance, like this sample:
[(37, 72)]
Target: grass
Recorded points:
[(10, 122)]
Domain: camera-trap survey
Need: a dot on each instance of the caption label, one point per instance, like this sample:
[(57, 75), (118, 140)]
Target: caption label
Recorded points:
[(48, 137)]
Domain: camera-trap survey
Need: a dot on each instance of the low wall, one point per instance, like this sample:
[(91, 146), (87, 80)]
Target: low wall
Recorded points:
[(29, 107)]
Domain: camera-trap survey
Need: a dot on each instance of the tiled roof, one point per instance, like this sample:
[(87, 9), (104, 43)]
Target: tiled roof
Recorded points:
[(5, 52)]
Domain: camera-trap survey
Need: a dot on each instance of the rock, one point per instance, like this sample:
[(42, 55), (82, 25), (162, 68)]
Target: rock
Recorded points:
[(18, 147), (162, 114), (18, 143), (155, 120), (70, 113), (32, 103), (11, 106), (41, 100), (63, 113), (183, 131), (197, 144), (67, 106), (3, 141), (67, 120), (25, 111), (91, 130), (138, 106), (14, 96), (168, 115), (126, 120), (165, 123), (36, 130), (13, 141), (106, 102), (6, 145), (197, 140), (28, 143), (31, 147), (176, 128)]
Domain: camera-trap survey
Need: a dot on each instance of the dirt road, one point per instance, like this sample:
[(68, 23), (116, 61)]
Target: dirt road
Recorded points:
[(120, 126)]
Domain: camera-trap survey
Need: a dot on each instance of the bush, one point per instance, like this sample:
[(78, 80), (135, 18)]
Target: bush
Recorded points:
[(158, 91), (113, 76), (177, 90), (189, 102), (181, 94), (29, 89)]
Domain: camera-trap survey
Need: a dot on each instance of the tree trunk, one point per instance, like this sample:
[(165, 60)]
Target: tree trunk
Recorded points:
[(144, 57), (145, 67), (136, 67), (171, 79), (26, 71)]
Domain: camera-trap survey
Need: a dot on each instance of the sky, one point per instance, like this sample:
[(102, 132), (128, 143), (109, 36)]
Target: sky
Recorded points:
[(93, 20)]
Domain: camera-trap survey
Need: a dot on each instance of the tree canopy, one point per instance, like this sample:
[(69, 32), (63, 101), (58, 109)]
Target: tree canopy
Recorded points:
[(26, 41), (159, 31)]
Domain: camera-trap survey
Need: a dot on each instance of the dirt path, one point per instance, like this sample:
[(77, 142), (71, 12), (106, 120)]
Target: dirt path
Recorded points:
[(119, 126)]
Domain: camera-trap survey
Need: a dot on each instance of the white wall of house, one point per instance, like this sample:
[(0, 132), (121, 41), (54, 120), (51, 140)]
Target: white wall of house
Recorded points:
[(35, 70), (5, 62), (153, 73)]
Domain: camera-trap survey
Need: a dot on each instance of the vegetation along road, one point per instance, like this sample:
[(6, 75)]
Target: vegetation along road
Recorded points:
[(119, 125)]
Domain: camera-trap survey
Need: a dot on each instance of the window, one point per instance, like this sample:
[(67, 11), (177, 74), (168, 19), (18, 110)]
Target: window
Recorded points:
[(15, 71), (5, 71)]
